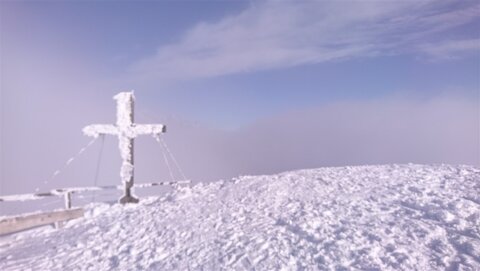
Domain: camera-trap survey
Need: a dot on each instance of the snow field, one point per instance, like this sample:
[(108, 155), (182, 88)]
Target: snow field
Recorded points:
[(393, 217)]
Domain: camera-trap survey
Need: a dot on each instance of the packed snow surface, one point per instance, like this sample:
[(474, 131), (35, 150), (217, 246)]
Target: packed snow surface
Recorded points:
[(395, 217)]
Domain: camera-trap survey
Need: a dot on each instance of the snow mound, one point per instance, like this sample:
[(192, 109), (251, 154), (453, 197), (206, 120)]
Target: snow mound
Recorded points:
[(394, 217)]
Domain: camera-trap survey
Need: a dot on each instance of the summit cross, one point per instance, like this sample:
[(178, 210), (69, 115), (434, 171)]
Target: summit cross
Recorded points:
[(126, 131)]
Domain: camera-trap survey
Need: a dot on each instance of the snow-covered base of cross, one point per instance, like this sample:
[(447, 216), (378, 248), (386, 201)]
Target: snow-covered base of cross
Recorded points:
[(394, 217), (128, 199)]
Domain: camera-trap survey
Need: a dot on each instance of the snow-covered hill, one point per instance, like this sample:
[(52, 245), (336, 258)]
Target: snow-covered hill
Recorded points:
[(395, 217)]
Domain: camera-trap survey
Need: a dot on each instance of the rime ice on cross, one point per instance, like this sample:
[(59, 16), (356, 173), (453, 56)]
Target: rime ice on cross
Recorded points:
[(126, 130)]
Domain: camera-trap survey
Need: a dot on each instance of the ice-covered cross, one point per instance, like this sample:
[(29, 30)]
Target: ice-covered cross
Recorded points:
[(126, 130)]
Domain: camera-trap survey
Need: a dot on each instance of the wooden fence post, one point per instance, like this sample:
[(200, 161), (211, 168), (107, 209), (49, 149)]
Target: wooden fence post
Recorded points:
[(68, 200)]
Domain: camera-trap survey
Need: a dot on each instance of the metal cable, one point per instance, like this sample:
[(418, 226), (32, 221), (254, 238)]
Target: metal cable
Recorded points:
[(172, 157), (67, 163)]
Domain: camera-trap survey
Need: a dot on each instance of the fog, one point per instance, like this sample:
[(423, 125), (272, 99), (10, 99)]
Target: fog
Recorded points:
[(391, 130), (37, 142), (40, 133)]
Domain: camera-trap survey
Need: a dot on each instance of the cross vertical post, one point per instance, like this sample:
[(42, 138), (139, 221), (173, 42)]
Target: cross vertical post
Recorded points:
[(125, 119), (126, 131)]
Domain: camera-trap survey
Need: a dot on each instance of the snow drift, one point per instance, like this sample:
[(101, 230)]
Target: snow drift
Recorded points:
[(395, 217)]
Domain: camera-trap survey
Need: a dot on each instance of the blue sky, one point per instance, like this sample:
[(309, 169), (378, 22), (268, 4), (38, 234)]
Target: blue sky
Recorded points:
[(252, 59), (245, 87)]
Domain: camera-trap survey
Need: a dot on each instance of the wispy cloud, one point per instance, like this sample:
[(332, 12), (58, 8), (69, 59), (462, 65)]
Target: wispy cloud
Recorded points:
[(451, 49), (277, 34)]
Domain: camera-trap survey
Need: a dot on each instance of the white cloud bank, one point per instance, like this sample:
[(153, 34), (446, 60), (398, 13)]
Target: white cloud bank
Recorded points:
[(444, 129), (278, 34)]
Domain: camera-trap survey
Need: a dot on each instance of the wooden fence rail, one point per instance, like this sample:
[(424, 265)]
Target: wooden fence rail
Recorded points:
[(23, 222), (68, 191), (20, 223)]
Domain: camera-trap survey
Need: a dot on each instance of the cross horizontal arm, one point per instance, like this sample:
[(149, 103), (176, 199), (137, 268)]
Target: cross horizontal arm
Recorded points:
[(149, 129), (97, 129), (130, 131)]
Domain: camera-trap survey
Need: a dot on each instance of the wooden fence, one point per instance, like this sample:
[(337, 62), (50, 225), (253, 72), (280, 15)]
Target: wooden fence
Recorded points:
[(23, 222)]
